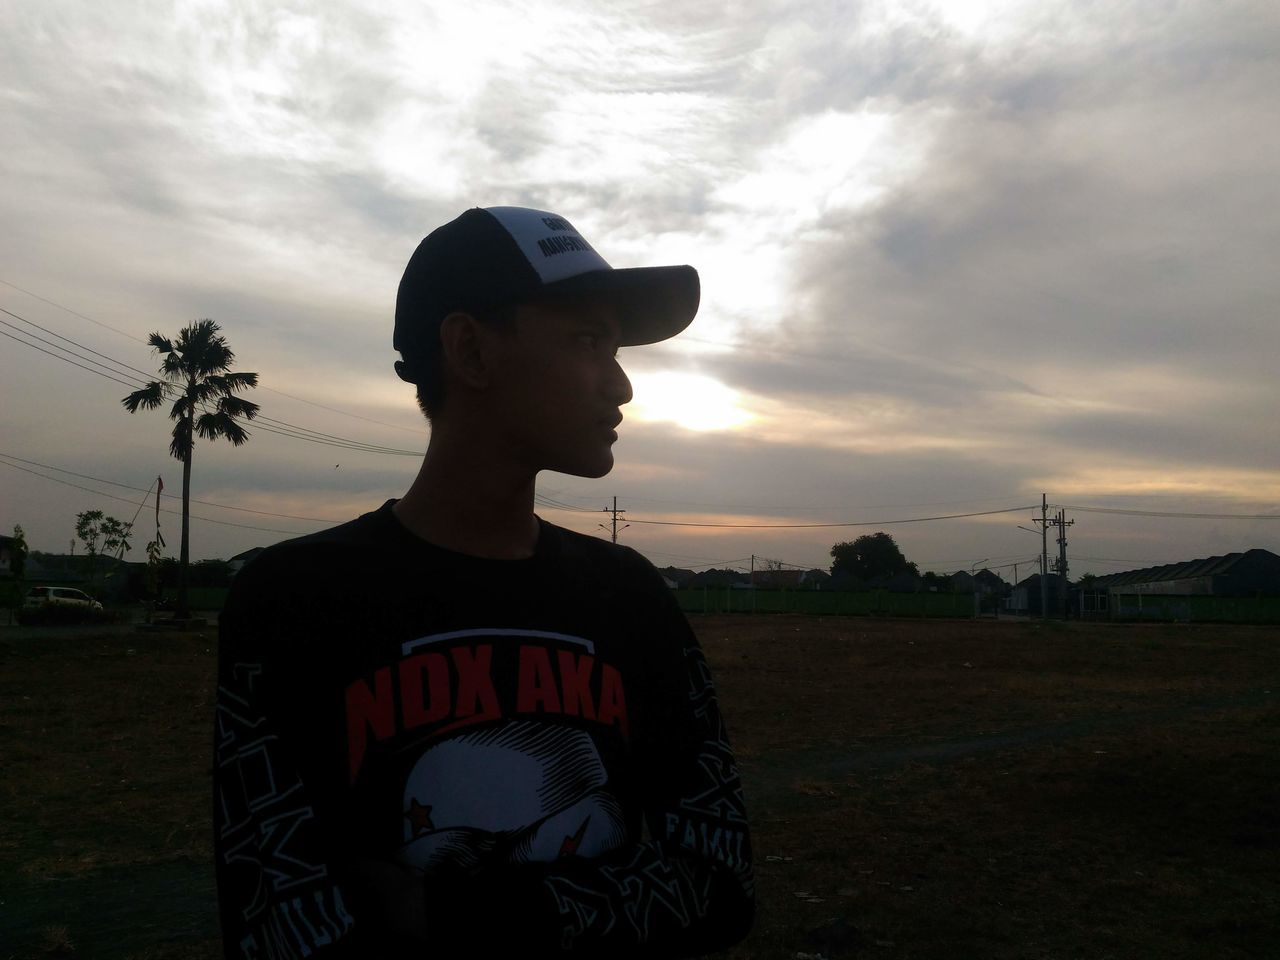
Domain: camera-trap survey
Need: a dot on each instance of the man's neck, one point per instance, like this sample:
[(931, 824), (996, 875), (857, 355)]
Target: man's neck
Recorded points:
[(471, 501)]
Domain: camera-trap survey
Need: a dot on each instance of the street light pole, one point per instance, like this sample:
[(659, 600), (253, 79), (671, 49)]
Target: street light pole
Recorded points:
[(977, 605), (1044, 610)]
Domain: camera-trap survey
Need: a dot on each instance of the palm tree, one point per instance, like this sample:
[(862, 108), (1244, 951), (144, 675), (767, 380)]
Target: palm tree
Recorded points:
[(196, 377)]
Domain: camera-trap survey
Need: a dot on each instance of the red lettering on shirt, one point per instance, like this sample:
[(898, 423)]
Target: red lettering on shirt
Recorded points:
[(535, 683), (368, 709), (575, 677), (476, 695), (424, 689), (613, 704)]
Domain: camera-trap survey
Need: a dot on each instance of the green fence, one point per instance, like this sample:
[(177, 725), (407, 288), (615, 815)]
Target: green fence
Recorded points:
[(1134, 606), (878, 603)]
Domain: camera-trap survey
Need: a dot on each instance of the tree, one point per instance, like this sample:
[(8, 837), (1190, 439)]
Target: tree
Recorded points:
[(197, 377), (18, 554), (936, 582), (18, 563), (94, 527), (871, 555), (115, 536), (89, 530)]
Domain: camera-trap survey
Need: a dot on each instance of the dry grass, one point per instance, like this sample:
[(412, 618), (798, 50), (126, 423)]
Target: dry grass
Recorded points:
[(1085, 791), (918, 789)]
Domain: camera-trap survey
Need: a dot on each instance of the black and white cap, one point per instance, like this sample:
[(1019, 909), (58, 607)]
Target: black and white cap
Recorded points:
[(493, 256)]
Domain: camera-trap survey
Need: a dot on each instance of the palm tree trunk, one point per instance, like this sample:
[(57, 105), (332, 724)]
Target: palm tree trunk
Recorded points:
[(183, 611)]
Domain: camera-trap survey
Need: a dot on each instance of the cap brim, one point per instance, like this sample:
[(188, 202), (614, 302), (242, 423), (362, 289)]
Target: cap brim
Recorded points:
[(654, 303)]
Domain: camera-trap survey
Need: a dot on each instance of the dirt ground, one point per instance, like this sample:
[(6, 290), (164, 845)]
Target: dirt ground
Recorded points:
[(918, 789)]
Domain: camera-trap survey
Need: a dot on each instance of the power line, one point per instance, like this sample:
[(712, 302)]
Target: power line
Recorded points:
[(129, 486), (266, 424), (112, 496), (1171, 513), (855, 523), (82, 316), (685, 556), (64, 359), (879, 506), (54, 333), (546, 501), (345, 413), (135, 339), (1136, 563)]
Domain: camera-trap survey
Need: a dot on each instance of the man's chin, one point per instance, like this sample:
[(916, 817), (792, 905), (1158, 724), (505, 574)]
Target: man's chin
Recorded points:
[(589, 468)]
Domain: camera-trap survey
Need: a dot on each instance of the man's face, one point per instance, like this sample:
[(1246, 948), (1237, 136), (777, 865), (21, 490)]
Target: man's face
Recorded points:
[(560, 387)]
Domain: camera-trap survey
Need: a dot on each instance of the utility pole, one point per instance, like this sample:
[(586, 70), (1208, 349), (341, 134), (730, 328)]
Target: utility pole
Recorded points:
[(1044, 555), (1061, 522), (614, 525)]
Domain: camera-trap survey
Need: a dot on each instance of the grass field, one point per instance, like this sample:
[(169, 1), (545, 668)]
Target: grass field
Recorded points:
[(917, 789)]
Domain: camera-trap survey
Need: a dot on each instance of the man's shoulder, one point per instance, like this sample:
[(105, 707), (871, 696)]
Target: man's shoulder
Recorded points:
[(602, 555), (320, 549)]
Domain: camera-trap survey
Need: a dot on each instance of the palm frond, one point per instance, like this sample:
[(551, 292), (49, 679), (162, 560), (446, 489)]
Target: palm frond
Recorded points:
[(182, 407), (237, 407), (160, 343), (172, 366), (203, 390), (241, 381), (148, 398), (180, 445), (211, 426)]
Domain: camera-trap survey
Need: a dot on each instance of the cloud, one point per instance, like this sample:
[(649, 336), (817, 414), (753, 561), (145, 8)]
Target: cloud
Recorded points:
[(949, 251)]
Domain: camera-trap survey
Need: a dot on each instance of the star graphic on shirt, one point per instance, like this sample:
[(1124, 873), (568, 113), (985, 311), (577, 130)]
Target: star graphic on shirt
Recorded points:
[(420, 817)]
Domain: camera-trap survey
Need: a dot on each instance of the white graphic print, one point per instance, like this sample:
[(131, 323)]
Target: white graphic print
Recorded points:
[(516, 793)]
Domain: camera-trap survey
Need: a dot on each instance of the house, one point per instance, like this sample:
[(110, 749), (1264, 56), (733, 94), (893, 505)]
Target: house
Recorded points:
[(677, 577), (1246, 574), (237, 562), (1024, 600), (790, 579), (991, 584), (903, 582), (6, 556), (984, 583), (720, 578)]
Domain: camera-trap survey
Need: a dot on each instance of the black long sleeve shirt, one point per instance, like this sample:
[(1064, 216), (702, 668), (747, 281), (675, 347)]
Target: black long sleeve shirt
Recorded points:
[(425, 754)]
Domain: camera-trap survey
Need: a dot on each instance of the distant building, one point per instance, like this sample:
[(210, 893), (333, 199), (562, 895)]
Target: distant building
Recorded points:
[(6, 556), (903, 582), (237, 562), (1249, 573), (791, 579), (720, 578), (984, 582), (1024, 599), (677, 576)]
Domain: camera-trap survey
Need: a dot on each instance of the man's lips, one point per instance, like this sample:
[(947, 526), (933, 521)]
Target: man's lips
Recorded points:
[(610, 424)]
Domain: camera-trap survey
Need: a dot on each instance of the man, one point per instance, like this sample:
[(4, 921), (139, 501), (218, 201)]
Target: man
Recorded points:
[(450, 728)]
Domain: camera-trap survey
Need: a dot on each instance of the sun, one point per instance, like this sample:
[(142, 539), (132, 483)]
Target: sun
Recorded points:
[(689, 400)]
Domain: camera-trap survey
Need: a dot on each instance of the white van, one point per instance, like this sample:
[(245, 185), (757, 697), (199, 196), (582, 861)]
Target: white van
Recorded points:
[(39, 597)]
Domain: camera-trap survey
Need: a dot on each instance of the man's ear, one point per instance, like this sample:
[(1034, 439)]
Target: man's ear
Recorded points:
[(463, 344)]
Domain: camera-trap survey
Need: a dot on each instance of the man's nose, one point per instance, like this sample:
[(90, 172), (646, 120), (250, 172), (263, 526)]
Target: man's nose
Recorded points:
[(619, 385)]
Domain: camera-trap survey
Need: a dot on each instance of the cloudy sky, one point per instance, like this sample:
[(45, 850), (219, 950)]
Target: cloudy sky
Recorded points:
[(955, 255)]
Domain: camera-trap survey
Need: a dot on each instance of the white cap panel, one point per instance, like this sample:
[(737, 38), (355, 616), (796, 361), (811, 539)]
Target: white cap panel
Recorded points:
[(551, 244)]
